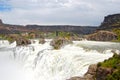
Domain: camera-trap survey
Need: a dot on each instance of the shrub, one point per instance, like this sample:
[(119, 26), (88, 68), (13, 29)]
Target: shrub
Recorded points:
[(111, 62), (114, 76), (114, 64)]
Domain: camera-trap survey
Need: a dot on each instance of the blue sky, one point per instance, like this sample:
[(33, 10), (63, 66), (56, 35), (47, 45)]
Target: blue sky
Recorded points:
[(56, 12), (4, 6)]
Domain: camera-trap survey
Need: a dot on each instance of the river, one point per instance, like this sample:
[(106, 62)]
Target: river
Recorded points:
[(41, 62)]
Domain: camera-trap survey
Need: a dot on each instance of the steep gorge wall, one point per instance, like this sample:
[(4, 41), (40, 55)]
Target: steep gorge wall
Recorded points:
[(111, 21), (7, 28)]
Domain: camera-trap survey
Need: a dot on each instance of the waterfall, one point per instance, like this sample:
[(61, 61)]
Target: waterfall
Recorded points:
[(42, 62)]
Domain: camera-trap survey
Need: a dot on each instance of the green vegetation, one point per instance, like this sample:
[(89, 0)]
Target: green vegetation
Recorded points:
[(116, 24), (114, 64), (50, 35), (114, 76), (60, 38), (67, 35), (5, 37), (111, 62), (117, 31)]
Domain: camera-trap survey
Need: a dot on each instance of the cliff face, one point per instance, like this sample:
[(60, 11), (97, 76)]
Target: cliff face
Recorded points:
[(66, 28), (10, 29), (105, 30), (1, 22), (7, 28), (111, 21)]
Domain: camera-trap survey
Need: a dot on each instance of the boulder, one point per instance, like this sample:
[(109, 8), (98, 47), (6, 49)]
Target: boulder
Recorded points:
[(92, 69)]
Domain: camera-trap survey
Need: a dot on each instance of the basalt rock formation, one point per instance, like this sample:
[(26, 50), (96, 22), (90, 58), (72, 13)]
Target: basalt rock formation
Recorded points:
[(64, 28), (105, 31), (12, 29), (102, 36), (107, 70), (110, 22), (7, 28), (1, 22), (95, 73), (90, 75)]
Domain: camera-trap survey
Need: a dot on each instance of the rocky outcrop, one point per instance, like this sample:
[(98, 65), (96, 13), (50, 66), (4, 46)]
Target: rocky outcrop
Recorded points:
[(91, 72), (102, 73), (42, 41), (95, 73), (90, 75), (22, 41), (1, 22), (111, 21), (19, 39), (102, 36), (107, 70), (105, 31), (59, 42), (12, 29)]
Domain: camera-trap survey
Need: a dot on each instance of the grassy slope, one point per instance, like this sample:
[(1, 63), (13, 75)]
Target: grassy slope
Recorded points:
[(113, 63)]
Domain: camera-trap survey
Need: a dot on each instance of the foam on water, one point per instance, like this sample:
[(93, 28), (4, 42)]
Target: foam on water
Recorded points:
[(41, 62)]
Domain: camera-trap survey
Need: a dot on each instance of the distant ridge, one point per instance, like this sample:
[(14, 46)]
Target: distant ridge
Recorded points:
[(11, 29)]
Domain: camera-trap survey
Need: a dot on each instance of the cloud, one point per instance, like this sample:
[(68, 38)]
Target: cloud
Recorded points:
[(75, 12)]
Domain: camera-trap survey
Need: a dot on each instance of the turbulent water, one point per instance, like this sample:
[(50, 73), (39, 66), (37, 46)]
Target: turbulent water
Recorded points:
[(41, 62)]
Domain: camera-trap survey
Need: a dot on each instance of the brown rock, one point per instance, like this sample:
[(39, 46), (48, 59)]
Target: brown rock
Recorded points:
[(103, 72), (19, 39), (111, 21), (1, 21), (42, 41), (90, 75), (76, 78), (102, 36), (59, 42), (92, 69), (23, 41)]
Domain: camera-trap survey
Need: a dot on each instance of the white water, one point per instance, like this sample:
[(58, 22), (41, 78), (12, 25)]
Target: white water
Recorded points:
[(41, 62)]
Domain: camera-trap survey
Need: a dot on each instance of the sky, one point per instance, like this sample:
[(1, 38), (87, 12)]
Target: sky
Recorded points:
[(57, 12)]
